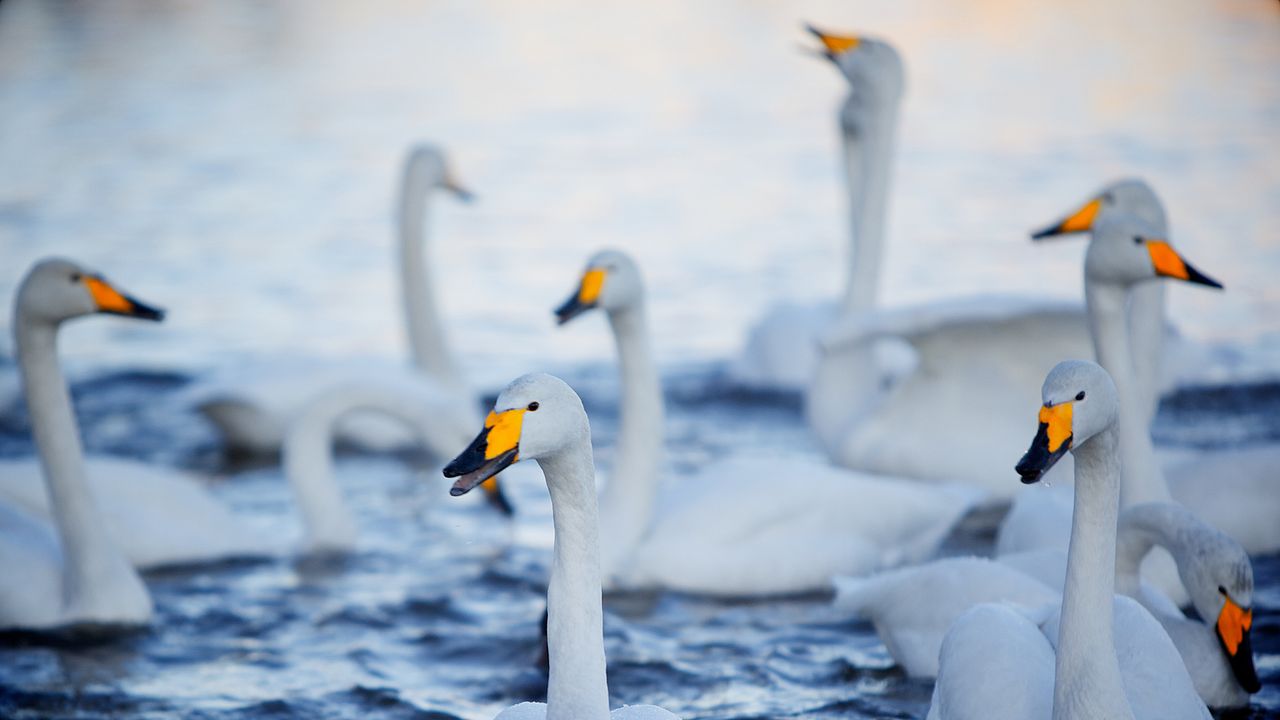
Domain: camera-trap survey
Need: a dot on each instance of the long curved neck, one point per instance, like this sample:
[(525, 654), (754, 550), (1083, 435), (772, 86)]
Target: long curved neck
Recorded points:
[(1087, 681), (1141, 528), (427, 342), (626, 502), (1146, 333), (868, 154), (1143, 480), (91, 561), (577, 688)]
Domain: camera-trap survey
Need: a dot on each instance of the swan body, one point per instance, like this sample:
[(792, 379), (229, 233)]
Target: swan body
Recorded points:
[(71, 574), (433, 419), (541, 418), (252, 410), (679, 536), (1095, 672)]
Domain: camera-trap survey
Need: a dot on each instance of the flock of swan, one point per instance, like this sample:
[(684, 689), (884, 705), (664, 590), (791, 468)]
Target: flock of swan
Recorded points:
[(922, 411)]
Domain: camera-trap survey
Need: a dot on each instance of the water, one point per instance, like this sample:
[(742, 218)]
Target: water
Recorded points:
[(235, 162)]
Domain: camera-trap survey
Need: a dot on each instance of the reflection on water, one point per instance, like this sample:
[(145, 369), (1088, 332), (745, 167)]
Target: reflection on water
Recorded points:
[(236, 161)]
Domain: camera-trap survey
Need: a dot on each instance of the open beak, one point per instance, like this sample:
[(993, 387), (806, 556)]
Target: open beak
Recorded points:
[(1168, 263), (586, 297), (1079, 221), (834, 45), (113, 302), (496, 448), (1052, 441), (1233, 632)]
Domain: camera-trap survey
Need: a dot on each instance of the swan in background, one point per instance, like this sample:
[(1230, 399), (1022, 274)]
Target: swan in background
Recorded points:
[(154, 516), (997, 663), (541, 418), (69, 572), (252, 410), (681, 537), (882, 378), (912, 607), (308, 463)]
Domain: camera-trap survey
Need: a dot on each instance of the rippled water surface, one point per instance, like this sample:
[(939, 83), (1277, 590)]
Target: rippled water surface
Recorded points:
[(236, 163)]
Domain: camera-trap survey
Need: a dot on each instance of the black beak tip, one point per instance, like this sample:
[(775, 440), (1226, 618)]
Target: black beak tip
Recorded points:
[(457, 491), (1044, 234)]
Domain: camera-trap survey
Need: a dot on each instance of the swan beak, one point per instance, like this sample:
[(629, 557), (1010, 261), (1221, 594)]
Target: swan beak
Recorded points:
[(1052, 441), (835, 45), (113, 302), (459, 190), (1233, 632), (496, 448), (1079, 221), (1168, 263), (586, 297)]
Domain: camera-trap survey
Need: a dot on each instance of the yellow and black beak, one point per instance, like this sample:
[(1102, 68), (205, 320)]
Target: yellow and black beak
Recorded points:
[(1052, 441), (1233, 632), (1079, 221), (1168, 263), (113, 302), (834, 45), (495, 449), (585, 298)]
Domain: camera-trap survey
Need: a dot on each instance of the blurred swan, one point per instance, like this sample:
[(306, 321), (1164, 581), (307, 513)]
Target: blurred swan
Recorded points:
[(252, 409), (730, 530), (996, 663), (539, 417), (67, 572), (912, 607)]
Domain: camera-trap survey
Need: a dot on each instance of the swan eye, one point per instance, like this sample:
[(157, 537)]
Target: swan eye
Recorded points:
[(76, 277), (1137, 240), (1080, 395), (533, 406), (1222, 590)]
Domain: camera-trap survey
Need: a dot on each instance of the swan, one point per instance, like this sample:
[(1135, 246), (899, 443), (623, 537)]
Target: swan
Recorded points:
[(308, 463), (912, 607), (881, 378), (68, 572), (252, 410), (540, 417), (154, 516), (680, 537), (997, 663)]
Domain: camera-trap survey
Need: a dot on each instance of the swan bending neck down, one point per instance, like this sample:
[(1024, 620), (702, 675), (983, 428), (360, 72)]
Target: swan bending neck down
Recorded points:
[(435, 419), (84, 579), (540, 417), (1080, 411)]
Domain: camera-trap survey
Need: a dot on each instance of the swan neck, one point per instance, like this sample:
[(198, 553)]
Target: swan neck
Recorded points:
[(1147, 335), (1141, 528), (427, 344), (1087, 680), (90, 558), (626, 503), (577, 688), (868, 152), (1143, 479)]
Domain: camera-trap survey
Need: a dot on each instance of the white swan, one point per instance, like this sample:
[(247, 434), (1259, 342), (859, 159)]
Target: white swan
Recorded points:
[(539, 417), (883, 378), (155, 516), (995, 662), (308, 463), (681, 536), (912, 607), (252, 409), (67, 573)]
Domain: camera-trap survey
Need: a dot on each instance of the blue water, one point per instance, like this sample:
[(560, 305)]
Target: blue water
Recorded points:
[(236, 161)]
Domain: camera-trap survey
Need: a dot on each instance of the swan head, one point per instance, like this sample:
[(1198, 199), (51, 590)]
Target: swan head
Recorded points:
[(871, 66), (1219, 578), (1080, 401), (536, 416), (56, 289), (428, 162), (1129, 196), (1127, 250), (611, 282)]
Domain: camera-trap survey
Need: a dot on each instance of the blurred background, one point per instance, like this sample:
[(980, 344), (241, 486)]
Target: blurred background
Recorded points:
[(237, 162)]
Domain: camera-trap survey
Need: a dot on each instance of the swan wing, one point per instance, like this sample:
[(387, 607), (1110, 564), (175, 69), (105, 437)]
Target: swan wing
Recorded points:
[(994, 665)]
